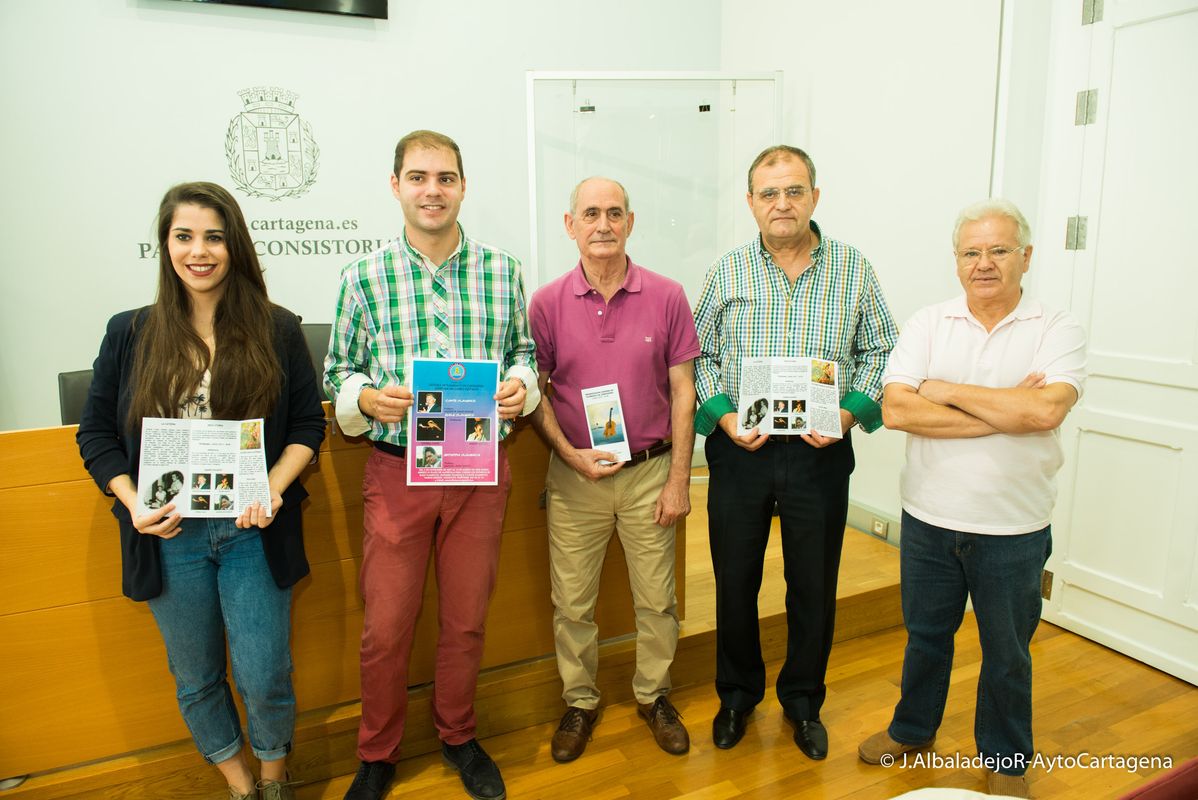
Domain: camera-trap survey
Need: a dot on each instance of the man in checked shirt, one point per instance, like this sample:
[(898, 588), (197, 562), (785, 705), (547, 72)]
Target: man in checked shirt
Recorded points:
[(790, 291), (432, 292)]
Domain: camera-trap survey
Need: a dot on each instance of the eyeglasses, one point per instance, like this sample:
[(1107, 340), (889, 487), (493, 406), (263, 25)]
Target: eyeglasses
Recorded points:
[(967, 258), (791, 192)]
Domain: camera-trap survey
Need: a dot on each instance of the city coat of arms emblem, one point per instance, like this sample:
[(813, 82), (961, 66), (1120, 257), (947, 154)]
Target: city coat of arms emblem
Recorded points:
[(270, 150)]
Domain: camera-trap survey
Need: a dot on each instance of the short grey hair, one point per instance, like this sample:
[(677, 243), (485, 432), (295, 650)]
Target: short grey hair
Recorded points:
[(574, 194), (993, 207)]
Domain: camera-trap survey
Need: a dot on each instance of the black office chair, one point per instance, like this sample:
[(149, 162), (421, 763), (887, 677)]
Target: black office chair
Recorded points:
[(72, 393), (317, 336)]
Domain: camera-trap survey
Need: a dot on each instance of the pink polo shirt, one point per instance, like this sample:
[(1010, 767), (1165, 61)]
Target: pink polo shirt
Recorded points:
[(632, 341)]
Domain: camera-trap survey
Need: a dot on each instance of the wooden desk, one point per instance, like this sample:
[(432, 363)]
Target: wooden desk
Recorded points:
[(84, 673)]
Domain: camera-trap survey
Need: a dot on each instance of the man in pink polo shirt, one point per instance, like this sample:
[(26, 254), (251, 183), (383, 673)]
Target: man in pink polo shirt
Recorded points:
[(612, 321)]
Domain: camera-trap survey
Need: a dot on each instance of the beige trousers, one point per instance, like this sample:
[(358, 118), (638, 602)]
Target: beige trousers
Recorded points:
[(582, 516)]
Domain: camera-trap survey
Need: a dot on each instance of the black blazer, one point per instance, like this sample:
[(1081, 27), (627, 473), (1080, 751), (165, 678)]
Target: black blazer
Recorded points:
[(109, 449)]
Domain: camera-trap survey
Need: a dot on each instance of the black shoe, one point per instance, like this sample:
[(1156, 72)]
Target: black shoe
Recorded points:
[(372, 781), (728, 727), (479, 773), (811, 736)]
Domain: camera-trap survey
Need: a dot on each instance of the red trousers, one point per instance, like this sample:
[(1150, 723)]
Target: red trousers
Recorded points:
[(401, 526)]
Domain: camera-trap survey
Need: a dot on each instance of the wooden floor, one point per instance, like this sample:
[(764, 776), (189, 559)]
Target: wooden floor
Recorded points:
[(512, 697), (1087, 699)]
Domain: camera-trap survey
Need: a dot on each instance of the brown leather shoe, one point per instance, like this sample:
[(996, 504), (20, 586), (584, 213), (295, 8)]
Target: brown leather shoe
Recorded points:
[(666, 724), (573, 733), (880, 746), (1007, 785)]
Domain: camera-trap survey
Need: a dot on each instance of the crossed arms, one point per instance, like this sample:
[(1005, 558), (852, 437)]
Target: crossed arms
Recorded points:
[(943, 410)]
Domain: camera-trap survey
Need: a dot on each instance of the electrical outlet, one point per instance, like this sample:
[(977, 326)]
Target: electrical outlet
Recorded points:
[(881, 528)]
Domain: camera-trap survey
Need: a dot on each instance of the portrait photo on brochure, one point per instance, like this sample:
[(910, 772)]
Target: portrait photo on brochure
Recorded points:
[(430, 403), (755, 413), (251, 434), (823, 372), (164, 489), (430, 457), (479, 430)]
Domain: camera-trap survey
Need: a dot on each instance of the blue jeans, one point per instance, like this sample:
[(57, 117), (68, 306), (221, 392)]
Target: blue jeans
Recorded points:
[(215, 580), (939, 569)]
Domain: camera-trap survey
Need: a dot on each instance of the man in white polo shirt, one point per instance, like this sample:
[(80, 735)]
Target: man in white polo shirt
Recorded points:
[(981, 384)]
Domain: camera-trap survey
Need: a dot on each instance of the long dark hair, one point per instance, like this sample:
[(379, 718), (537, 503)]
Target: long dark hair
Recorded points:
[(170, 358)]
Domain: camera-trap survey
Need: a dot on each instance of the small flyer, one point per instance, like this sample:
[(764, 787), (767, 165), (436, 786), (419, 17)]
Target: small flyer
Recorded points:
[(789, 396), (207, 467), (605, 421), (453, 424)]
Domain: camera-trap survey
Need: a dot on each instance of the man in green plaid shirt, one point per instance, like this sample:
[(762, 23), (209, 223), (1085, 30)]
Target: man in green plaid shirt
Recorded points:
[(789, 292), (430, 293)]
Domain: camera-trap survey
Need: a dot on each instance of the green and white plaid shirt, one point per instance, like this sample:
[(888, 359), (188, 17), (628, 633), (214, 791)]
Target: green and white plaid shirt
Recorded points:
[(383, 321), (834, 311)]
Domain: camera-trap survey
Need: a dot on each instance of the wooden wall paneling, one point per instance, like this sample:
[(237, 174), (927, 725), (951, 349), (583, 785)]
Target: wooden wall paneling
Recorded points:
[(39, 456), (59, 546), (333, 510), (83, 681), (326, 629)]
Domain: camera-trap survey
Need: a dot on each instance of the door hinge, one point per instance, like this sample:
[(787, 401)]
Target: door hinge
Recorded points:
[(1075, 233), (1046, 585), (1091, 11), (1085, 112)]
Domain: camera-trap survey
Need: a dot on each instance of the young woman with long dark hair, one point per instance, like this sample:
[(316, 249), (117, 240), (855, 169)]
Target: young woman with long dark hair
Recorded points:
[(212, 345)]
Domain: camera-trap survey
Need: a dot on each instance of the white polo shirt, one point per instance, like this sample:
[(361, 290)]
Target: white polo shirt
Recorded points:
[(997, 484)]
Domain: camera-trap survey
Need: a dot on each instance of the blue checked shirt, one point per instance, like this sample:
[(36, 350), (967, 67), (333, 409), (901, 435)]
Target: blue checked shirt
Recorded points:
[(834, 311), (383, 320)]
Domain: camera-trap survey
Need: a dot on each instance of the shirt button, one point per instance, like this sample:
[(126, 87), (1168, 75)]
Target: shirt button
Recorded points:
[(600, 313)]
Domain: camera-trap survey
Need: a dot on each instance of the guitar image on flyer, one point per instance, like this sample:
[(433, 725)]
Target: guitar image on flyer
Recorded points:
[(605, 420)]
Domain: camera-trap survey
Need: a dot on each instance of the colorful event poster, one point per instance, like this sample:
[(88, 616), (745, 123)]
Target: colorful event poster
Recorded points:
[(453, 426)]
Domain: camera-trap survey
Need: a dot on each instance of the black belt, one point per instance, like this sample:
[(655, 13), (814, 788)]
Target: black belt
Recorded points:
[(397, 450), (785, 438), (649, 452)]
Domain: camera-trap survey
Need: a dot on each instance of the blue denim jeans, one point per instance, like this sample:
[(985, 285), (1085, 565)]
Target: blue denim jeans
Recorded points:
[(939, 569), (215, 581)]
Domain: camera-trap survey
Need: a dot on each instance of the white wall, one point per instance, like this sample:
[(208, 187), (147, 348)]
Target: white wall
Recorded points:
[(895, 104), (108, 103), (114, 100), (1022, 101), (680, 166)]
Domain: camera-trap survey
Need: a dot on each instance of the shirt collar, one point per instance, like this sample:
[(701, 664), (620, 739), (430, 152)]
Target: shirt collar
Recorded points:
[(421, 258), (817, 255), (580, 286), (1027, 308)]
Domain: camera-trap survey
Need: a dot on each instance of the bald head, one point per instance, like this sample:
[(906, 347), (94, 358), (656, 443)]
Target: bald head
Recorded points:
[(592, 180)]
